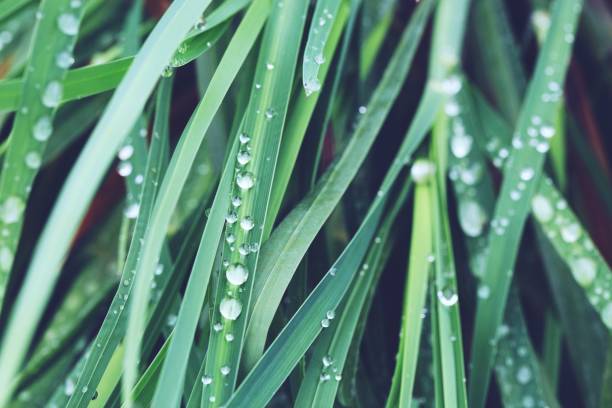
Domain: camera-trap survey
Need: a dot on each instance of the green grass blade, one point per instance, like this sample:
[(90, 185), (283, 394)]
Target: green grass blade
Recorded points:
[(120, 115), (113, 327), (168, 392), (419, 267), (315, 314), (299, 229), (327, 365), (445, 308), (510, 214), (260, 141), (320, 28), (50, 57)]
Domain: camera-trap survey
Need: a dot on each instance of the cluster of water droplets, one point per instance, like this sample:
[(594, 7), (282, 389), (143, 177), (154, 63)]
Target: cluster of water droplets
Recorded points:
[(569, 238), (329, 370), (312, 85)]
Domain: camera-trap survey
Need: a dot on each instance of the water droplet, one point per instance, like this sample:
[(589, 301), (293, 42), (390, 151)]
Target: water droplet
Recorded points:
[(206, 380), (461, 145), (319, 59), (236, 201), (269, 66), (527, 174), (330, 314), (247, 223), (311, 86), (52, 96), (245, 180), (69, 386), (217, 327), (64, 59), (124, 169), (231, 218), (236, 274), (584, 270), (12, 209), (324, 323), (523, 375), (225, 370), (126, 152), (243, 157), (33, 160), (270, 113), (542, 208), (447, 297), (229, 337), (244, 138), (42, 129), (422, 170), (547, 131), (131, 211), (327, 361), (571, 232), (68, 24), (230, 308), (484, 291), (6, 259), (472, 218)]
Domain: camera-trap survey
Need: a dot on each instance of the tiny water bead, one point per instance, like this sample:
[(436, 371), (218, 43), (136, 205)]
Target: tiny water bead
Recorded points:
[(229, 337), (244, 138), (311, 86), (245, 180), (327, 361), (206, 380), (6, 259), (584, 270), (131, 211), (527, 174), (225, 370), (447, 297), (247, 224), (236, 274), (12, 209), (64, 60), (33, 160), (124, 169), (483, 292), (571, 232), (236, 201), (230, 308), (231, 218), (52, 96), (542, 208), (125, 152), (523, 375), (461, 145), (243, 157), (472, 218), (68, 24), (422, 170)]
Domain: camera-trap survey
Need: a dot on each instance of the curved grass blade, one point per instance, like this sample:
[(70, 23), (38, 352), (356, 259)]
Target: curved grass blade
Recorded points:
[(113, 327), (526, 158), (297, 124), (320, 28), (260, 141), (50, 57), (314, 315), (327, 365), (54, 243), (298, 230)]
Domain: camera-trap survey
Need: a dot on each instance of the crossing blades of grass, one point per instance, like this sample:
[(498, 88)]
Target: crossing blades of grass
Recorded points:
[(316, 314), (521, 176), (299, 228), (260, 138), (117, 120), (518, 372), (113, 327), (297, 124), (99, 78), (560, 225), (326, 367), (314, 56), (50, 57)]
